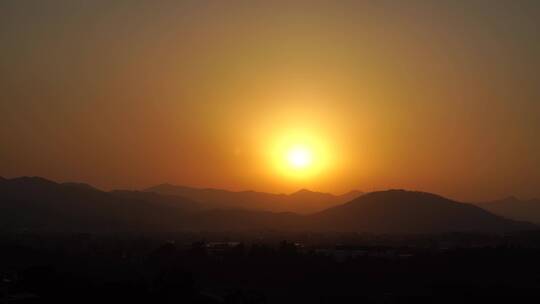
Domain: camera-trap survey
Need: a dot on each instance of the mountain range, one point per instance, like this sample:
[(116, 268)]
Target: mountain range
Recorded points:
[(400, 211), (302, 201), (37, 204)]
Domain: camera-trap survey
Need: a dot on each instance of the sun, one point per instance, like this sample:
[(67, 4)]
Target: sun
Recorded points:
[(299, 157), (299, 154)]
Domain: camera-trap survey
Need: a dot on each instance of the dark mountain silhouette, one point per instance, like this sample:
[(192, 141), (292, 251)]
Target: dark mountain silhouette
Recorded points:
[(303, 201), (178, 202), (79, 185), (37, 204), (399, 211), (514, 208), (34, 203), (392, 212)]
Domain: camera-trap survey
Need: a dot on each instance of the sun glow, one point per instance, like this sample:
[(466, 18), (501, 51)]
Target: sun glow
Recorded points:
[(299, 157), (300, 145)]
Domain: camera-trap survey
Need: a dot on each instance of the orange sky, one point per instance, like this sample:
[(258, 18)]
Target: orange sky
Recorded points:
[(428, 95)]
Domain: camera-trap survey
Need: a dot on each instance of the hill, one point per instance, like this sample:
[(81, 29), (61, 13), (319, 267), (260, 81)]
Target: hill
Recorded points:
[(514, 208), (302, 202), (37, 204), (399, 211)]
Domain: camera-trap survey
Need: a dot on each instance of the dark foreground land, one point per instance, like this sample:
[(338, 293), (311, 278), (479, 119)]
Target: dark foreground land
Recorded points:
[(451, 268)]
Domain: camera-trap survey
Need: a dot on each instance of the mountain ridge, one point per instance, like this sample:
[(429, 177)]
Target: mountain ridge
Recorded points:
[(36, 204), (302, 201), (411, 211)]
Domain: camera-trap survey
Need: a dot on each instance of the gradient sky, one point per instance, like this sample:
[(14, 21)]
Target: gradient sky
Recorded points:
[(441, 96)]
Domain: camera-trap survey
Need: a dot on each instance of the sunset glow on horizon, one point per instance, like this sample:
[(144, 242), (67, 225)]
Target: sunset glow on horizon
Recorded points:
[(274, 96)]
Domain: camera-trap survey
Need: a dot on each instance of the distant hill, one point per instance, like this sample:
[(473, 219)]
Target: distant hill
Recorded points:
[(303, 201), (37, 204), (40, 205), (384, 212), (514, 208), (178, 202), (399, 211)]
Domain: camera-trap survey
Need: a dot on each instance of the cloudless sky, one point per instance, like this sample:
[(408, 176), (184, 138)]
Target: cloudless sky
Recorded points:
[(441, 96)]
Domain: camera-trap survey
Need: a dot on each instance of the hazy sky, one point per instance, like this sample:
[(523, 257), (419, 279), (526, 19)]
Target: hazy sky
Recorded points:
[(441, 96)]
